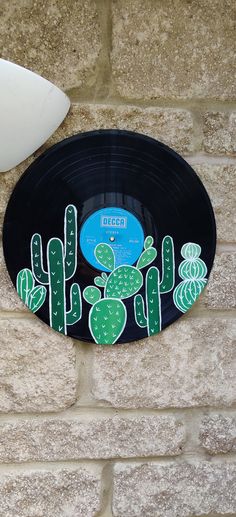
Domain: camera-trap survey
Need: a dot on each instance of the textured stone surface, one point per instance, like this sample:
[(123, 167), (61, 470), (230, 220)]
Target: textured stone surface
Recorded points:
[(219, 132), (8, 181), (174, 127), (221, 289), (90, 438), (9, 299), (181, 52), (174, 490), (220, 182), (218, 434), (57, 39), (37, 367), (61, 493), (191, 363)]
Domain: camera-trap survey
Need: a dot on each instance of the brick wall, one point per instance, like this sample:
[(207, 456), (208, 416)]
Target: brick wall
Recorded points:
[(146, 429)]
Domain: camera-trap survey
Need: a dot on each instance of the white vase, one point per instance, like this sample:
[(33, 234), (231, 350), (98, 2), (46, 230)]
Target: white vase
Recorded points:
[(31, 109)]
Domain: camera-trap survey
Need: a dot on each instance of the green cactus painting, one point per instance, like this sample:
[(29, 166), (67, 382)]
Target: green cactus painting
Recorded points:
[(61, 266), (108, 315), (33, 296), (151, 316), (193, 271)]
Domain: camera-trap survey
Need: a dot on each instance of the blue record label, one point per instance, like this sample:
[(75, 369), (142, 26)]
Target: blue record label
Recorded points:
[(116, 227)]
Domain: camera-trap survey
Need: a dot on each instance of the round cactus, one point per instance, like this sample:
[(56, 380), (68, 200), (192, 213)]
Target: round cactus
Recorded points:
[(123, 282), (192, 270), (191, 251), (187, 292), (91, 294), (107, 319)]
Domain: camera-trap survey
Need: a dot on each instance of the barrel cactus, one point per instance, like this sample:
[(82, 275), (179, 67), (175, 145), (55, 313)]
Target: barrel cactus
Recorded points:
[(193, 271), (108, 315)]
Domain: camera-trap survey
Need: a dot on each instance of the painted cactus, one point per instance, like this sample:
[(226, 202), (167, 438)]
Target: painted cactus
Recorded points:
[(61, 266), (193, 271), (151, 316), (108, 315), (33, 296)]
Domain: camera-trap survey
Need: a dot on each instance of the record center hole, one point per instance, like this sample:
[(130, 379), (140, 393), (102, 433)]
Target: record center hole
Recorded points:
[(112, 239)]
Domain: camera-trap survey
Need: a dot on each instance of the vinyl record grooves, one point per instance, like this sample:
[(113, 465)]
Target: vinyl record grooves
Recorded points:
[(109, 236)]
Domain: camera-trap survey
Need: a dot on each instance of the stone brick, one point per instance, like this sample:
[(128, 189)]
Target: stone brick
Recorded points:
[(174, 490), (8, 181), (174, 127), (181, 52), (61, 492), (220, 182), (9, 299), (60, 40), (218, 434), (221, 290), (189, 364), (37, 367), (219, 133), (47, 440)]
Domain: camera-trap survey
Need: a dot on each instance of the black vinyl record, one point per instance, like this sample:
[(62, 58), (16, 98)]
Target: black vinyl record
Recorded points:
[(109, 236)]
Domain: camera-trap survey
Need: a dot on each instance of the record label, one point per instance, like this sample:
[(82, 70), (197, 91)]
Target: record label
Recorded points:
[(109, 237), (116, 227)]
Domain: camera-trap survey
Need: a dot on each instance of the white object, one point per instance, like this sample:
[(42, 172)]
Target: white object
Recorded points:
[(31, 109)]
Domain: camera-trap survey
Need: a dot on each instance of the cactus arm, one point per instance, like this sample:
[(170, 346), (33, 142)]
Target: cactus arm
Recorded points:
[(70, 239), (105, 256), (37, 298), (56, 272), (146, 257), (24, 284), (153, 302), (75, 312), (37, 259), (139, 314), (168, 265)]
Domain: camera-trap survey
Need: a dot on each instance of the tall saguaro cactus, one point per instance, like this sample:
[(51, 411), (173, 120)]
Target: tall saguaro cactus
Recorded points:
[(152, 319), (61, 266), (150, 316)]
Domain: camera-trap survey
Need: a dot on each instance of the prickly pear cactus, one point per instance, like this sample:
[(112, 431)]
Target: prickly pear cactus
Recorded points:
[(105, 256), (123, 282), (61, 260), (192, 270), (107, 317), (32, 296), (107, 320), (148, 255)]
